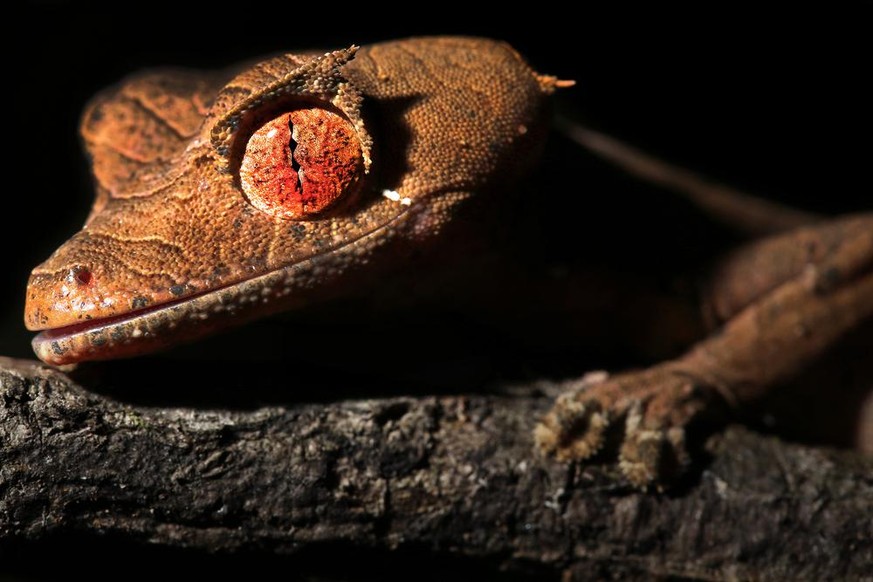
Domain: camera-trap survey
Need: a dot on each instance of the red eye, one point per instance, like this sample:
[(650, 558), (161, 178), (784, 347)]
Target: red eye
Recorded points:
[(301, 163)]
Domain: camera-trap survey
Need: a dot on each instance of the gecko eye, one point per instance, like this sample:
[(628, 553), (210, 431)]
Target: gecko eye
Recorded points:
[(301, 163)]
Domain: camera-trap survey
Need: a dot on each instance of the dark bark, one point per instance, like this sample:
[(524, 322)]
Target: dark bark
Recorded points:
[(455, 477)]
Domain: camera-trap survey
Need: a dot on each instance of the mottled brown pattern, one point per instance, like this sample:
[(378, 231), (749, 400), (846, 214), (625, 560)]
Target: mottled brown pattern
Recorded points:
[(449, 117), (173, 249)]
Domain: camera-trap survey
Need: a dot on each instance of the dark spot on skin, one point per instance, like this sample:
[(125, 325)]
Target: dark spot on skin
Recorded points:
[(97, 114), (88, 317), (202, 160), (298, 232), (117, 334), (57, 349), (97, 339), (139, 302), (177, 289), (220, 271), (237, 222)]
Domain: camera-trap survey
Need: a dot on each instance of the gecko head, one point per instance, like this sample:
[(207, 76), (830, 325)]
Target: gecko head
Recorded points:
[(222, 198)]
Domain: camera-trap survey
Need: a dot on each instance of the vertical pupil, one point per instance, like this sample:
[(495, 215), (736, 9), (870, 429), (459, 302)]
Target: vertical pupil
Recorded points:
[(292, 146)]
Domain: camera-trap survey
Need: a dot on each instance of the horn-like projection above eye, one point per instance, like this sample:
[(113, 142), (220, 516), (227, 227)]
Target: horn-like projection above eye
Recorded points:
[(301, 163)]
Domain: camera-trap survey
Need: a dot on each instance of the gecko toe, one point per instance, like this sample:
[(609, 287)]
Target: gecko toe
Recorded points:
[(655, 405), (651, 453), (574, 429)]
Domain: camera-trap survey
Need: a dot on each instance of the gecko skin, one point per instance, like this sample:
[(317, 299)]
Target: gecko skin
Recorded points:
[(216, 202), (224, 198)]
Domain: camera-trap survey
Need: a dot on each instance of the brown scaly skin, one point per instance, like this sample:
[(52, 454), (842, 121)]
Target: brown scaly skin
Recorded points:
[(174, 250)]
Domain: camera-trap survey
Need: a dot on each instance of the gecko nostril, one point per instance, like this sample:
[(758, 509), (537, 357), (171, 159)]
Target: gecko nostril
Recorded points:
[(81, 275)]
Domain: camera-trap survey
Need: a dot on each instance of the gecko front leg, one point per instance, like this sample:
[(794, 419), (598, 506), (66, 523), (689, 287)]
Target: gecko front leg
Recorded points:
[(788, 298)]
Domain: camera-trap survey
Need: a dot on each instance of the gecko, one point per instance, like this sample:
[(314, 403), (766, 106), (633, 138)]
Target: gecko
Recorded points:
[(222, 197)]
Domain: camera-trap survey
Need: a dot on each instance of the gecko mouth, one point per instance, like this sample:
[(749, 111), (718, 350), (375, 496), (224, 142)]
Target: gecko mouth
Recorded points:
[(95, 324), (150, 328), (166, 324)]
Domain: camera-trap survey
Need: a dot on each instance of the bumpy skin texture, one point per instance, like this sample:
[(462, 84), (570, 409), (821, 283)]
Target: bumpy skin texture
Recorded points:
[(173, 250)]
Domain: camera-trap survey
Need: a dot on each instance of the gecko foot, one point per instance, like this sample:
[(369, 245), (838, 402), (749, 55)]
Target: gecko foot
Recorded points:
[(654, 406)]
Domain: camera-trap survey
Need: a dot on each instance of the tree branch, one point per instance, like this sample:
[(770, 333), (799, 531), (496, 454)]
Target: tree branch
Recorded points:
[(456, 474)]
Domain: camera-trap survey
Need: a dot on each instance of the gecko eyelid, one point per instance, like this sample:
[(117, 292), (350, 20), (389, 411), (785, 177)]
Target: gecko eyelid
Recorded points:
[(316, 81)]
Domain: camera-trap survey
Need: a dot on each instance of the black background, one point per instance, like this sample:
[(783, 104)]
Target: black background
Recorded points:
[(774, 103)]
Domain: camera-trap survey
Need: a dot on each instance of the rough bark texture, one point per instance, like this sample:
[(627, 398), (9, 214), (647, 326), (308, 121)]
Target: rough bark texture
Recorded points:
[(455, 477)]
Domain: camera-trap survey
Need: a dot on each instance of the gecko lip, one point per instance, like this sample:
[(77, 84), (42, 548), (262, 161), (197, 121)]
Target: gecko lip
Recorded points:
[(95, 324), (133, 332), (187, 318)]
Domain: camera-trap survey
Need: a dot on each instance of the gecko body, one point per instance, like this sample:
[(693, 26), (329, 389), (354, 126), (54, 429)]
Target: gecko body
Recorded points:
[(227, 196)]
